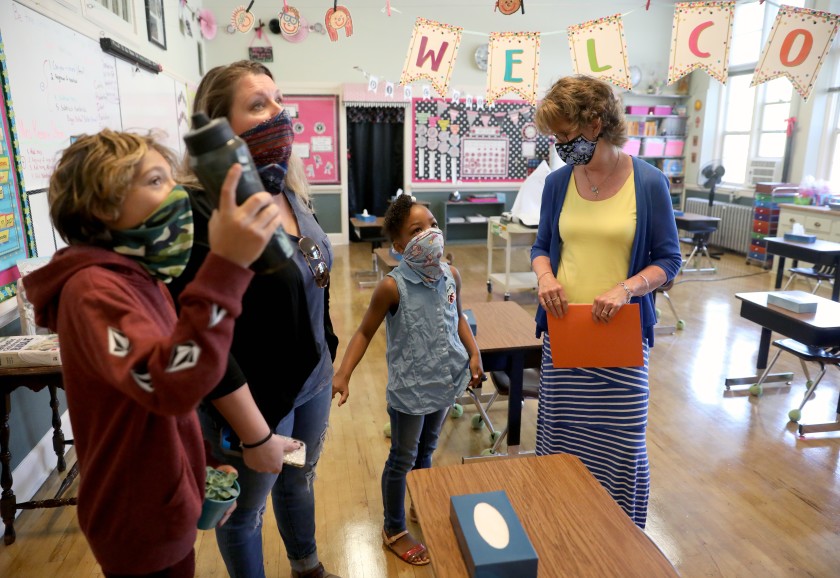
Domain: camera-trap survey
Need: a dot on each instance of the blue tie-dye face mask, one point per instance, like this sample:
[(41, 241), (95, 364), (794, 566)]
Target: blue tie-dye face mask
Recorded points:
[(423, 254)]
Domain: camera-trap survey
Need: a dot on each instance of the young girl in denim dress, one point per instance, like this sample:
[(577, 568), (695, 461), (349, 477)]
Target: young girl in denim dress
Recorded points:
[(432, 357)]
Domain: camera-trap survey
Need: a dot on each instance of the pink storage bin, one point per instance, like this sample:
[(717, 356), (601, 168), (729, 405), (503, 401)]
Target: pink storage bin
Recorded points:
[(674, 147), (636, 109), (632, 146), (662, 110), (653, 147)]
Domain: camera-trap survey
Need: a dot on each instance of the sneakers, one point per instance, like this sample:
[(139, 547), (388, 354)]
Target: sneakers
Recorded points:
[(317, 572)]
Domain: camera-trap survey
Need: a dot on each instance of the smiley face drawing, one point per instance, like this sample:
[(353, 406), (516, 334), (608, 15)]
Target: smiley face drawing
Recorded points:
[(336, 19), (290, 21), (508, 7)]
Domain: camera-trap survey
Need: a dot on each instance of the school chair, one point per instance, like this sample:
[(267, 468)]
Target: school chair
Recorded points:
[(822, 356), (820, 273)]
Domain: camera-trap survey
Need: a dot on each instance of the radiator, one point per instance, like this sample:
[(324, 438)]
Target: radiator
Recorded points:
[(734, 231)]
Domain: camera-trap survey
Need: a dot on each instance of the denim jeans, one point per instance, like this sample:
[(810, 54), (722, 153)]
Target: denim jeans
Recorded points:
[(413, 441), (240, 539)]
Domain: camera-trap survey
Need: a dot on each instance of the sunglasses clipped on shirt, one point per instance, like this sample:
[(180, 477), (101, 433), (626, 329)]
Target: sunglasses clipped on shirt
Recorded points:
[(315, 259)]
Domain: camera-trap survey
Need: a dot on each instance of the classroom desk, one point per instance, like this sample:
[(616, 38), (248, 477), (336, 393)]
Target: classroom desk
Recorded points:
[(700, 226), (505, 337), (385, 260), (36, 379), (576, 528), (818, 329), (819, 253), (369, 232)]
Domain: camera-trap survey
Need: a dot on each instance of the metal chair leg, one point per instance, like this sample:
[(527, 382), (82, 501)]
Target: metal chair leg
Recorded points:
[(811, 389)]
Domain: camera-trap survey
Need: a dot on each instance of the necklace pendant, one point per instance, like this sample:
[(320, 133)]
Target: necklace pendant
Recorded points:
[(594, 190)]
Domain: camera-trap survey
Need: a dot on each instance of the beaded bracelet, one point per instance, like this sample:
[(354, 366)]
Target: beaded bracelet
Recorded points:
[(626, 290), (257, 444)]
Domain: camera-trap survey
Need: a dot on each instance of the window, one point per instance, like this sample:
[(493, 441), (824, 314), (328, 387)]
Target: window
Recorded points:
[(121, 8), (116, 17), (753, 120), (831, 137)]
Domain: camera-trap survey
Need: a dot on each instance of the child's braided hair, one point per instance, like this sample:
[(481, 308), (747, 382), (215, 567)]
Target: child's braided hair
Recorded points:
[(396, 215)]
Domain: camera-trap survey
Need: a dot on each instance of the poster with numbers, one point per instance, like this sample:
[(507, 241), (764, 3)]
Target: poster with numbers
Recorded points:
[(15, 242), (467, 141), (315, 124)]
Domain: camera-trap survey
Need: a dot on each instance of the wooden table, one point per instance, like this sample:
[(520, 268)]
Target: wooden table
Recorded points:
[(36, 379), (700, 226), (369, 232), (818, 329), (385, 260), (819, 253), (576, 528), (505, 336)]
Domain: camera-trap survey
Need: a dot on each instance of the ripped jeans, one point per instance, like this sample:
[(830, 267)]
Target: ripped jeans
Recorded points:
[(292, 494)]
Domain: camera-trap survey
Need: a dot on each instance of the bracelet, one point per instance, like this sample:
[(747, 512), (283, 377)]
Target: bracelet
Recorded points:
[(257, 444), (541, 276), (647, 283), (626, 290)]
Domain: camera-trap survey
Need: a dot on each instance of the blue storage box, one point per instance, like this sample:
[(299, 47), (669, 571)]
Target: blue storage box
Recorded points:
[(492, 540), (365, 218), (804, 238)]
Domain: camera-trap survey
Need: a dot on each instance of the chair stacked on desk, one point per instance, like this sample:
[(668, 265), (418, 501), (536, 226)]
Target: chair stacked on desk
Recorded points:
[(818, 273)]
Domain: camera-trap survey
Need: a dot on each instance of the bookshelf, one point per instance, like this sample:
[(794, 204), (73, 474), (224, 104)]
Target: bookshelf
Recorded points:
[(467, 221)]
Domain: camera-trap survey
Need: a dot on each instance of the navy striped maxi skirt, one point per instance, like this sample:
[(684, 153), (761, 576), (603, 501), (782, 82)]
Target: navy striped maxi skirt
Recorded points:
[(600, 416)]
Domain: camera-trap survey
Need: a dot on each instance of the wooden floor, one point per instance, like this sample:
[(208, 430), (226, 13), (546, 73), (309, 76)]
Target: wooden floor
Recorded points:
[(735, 492)]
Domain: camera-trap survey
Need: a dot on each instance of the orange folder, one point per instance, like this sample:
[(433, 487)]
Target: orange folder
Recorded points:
[(578, 341)]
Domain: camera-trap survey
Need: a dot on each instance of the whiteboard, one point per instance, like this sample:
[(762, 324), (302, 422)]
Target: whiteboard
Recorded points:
[(149, 101), (61, 84)]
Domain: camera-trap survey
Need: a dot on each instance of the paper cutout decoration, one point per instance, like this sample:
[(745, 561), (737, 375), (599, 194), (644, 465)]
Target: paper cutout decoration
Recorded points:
[(798, 42), (508, 7), (260, 53), (599, 49), (700, 38), (241, 19), (336, 19), (431, 54), (290, 22), (513, 65), (207, 23)]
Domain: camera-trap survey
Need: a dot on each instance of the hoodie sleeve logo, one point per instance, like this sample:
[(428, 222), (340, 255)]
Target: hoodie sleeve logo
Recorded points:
[(118, 343)]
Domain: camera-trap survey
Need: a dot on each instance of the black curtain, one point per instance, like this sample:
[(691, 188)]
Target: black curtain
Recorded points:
[(375, 157)]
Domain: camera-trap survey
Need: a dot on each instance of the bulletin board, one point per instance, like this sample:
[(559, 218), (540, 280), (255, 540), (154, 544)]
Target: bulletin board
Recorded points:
[(455, 142), (315, 123), (16, 241)]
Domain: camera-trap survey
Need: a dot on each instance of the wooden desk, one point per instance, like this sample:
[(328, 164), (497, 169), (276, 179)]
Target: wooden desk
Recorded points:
[(818, 329), (576, 528), (818, 253), (385, 260), (36, 379), (700, 226), (505, 336)]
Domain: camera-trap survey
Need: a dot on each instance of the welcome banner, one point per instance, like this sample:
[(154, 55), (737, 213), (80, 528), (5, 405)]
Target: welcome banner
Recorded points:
[(599, 49), (513, 65), (700, 38), (431, 53), (798, 43)]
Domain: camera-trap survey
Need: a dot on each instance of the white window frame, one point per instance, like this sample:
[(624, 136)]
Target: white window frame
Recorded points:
[(103, 16), (830, 139)]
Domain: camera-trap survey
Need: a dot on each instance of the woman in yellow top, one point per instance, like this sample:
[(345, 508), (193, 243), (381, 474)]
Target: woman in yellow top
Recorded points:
[(606, 236)]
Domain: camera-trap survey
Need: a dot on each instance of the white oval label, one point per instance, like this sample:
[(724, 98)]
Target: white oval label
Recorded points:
[(491, 525)]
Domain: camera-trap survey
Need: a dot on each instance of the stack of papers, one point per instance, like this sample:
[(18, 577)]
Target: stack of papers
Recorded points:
[(476, 218)]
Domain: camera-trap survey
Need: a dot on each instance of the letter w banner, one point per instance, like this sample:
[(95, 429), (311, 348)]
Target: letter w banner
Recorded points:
[(431, 54), (600, 50), (513, 65), (700, 38), (799, 41)]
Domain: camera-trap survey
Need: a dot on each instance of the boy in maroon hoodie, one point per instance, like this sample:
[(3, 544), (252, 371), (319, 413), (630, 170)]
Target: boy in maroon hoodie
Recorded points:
[(134, 371)]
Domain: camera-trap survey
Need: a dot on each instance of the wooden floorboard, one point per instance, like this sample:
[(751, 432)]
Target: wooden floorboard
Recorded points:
[(735, 491)]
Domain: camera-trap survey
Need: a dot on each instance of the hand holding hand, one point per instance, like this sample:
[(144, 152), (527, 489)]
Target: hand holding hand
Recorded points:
[(240, 233)]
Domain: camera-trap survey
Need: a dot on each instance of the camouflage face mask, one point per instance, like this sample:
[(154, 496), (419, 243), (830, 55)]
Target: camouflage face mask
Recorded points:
[(163, 241)]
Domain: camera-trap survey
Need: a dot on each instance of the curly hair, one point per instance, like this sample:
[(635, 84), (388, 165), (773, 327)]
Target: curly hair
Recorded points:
[(581, 99), (92, 178), (396, 215), (214, 97)]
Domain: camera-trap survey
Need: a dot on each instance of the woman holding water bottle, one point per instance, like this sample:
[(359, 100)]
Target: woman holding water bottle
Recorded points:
[(282, 384)]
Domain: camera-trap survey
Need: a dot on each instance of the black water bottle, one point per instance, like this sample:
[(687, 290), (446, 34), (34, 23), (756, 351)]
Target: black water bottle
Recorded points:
[(213, 149)]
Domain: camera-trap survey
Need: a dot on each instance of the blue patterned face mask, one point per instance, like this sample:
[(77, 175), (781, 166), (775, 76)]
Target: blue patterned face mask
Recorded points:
[(423, 254), (578, 151)]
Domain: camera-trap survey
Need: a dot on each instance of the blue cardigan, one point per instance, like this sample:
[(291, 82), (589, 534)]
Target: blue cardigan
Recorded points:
[(655, 243)]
